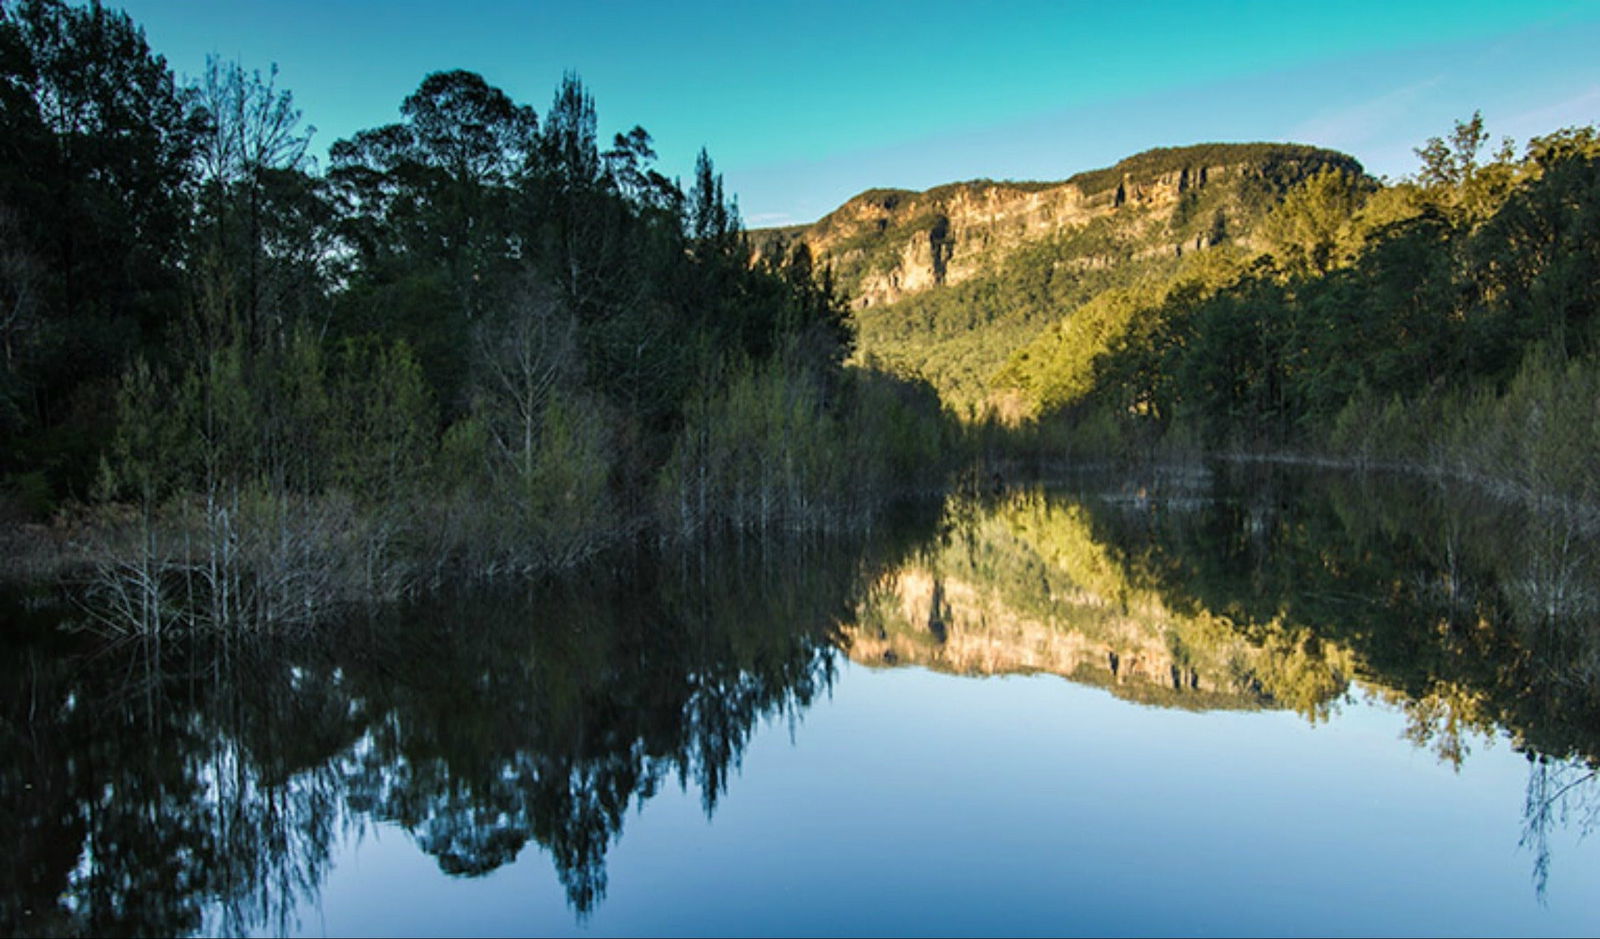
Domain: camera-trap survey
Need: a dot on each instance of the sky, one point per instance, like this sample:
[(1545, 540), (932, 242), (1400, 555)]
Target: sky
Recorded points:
[(803, 105)]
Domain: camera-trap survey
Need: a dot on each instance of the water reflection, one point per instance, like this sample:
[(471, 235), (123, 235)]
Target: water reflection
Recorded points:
[(1259, 587), (147, 794), (176, 790)]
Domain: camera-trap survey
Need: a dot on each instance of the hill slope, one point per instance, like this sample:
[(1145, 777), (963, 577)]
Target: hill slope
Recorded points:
[(948, 282)]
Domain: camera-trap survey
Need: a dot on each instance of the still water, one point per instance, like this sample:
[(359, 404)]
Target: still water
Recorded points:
[(1243, 701)]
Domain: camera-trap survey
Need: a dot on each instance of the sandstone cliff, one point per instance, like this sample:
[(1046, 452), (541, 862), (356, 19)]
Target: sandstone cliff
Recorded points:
[(886, 244)]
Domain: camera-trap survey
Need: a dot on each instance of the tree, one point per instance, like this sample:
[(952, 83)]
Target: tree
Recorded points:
[(426, 209), (120, 134), (712, 221), (432, 190), (1452, 175), (569, 154), (1309, 231), (1452, 162), (97, 139), (582, 229), (1538, 255), (252, 139), (19, 322), (628, 170)]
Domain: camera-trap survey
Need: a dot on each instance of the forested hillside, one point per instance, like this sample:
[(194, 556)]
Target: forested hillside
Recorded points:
[(1260, 298), (1448, 320), (947, 283)]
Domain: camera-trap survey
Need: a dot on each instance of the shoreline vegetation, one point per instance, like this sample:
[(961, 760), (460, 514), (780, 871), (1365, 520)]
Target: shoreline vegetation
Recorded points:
[(484, 343), (481, 343), (1447, 324)]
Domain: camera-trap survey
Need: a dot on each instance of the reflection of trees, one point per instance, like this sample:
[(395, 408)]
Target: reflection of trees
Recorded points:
[(177, 790), (1560, 792), (1429, 594), (1267, 587), (132, 808), (544, 718), (1473, 618), (174, 790)]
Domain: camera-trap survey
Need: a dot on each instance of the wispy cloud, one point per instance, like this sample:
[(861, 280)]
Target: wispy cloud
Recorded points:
[(1351, 126), (1581, 108)]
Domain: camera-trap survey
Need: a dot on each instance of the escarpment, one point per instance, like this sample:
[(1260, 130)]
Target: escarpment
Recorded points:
[(887, 244)]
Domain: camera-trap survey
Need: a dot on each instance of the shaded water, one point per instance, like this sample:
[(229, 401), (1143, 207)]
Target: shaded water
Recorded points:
[(1254, 701)]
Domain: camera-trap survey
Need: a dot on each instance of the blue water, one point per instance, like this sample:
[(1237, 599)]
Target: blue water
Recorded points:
[(917, 803), (1190, 712)]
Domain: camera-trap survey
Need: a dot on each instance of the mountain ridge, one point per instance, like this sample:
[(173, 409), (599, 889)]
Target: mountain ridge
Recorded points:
[(945, 283), (853, 238)]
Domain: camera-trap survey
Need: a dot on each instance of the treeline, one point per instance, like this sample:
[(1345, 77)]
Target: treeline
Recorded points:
[(1448, 320), (481, 341)]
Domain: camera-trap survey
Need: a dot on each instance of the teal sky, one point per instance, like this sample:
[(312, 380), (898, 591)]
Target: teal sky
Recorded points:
[(803, 105)]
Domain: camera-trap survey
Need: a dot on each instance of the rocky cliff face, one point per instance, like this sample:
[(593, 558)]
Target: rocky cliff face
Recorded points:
[(886, 244)]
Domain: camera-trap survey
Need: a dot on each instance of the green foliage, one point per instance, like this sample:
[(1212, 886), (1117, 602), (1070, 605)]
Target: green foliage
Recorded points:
[(1275, 164), (382, 415), (767, 451), (1539, 436), (146, 458), (93, 184), (1382, 325), (1310, 230), (1060, 368), (471, 347), (958, 336)]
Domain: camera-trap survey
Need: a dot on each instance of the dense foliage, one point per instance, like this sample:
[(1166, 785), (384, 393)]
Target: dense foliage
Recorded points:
[(482, 340), (1448, 319)]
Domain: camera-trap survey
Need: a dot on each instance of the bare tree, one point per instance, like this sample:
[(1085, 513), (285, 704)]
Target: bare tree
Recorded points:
[(523, 357), (253, 130)]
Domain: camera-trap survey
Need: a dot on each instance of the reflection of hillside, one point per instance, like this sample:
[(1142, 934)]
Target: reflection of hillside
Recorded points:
[(158, 790), (1024, 587), (1474, 619), (1272, 589)]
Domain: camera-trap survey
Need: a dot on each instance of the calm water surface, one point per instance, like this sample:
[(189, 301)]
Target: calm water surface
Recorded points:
[(1251, 701)]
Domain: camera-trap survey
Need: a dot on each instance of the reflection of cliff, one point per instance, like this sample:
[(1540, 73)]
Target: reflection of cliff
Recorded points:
[(1026, 588), (977, 634)]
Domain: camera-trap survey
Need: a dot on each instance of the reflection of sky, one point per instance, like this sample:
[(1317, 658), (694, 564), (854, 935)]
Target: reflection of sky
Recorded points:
[(803, 105), (920, 803)]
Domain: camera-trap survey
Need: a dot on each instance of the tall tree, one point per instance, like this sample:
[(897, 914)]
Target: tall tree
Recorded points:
[(426, 206), (253, 138), (434, 186), (97, 140)]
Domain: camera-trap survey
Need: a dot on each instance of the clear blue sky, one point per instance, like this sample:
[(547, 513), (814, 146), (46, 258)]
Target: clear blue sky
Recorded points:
[(803, 105)]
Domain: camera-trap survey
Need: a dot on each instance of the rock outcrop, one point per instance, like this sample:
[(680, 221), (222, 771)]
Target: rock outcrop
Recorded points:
[(886, 244)]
